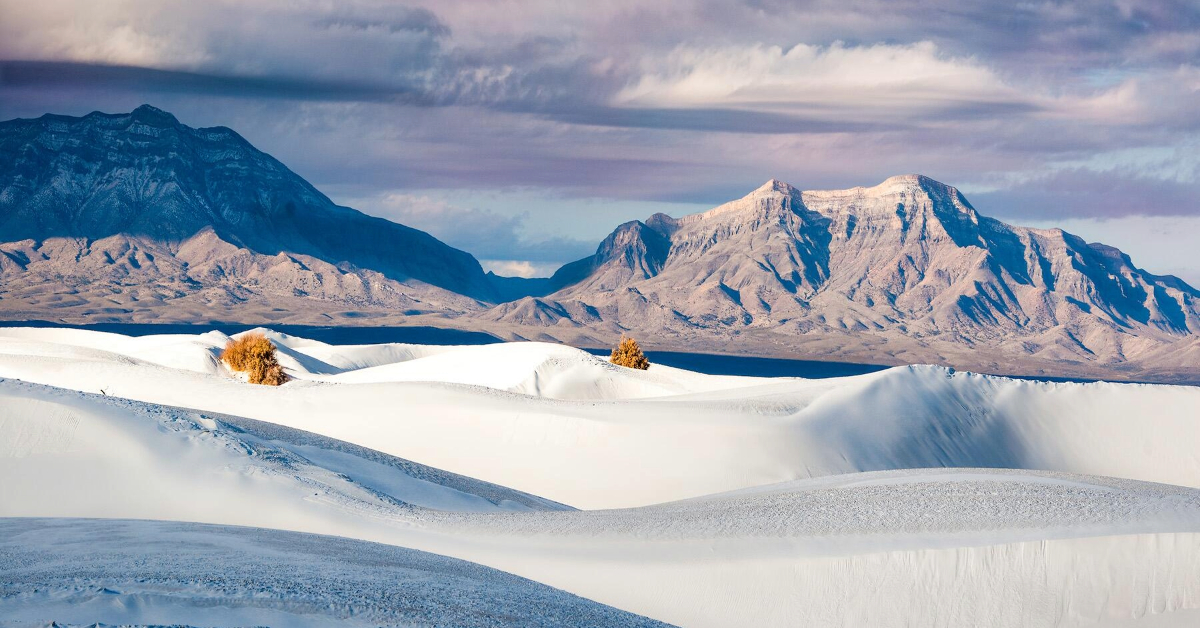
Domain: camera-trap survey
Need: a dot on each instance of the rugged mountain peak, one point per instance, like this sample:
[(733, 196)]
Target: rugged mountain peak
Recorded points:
[(907, 205), (633, 251), (144, 174), (904, 184), (151, 118), (774, 186), (773, 198), (663, 224), (153, 115), (636, 245), (906, 258), (909, 181)]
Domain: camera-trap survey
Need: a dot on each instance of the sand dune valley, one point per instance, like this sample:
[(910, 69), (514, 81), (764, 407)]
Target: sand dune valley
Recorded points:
[(536, 484)]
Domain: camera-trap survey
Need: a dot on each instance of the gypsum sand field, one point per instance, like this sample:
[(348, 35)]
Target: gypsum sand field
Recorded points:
[(414, 446)]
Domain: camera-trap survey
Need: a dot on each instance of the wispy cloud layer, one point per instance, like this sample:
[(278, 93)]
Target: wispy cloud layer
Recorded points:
[(879, 82), (1047, 110), (488, 234)]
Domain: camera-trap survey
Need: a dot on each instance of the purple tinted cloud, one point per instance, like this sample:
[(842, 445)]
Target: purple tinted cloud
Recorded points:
[(487, 234), (1087, 193), (1043, 107)]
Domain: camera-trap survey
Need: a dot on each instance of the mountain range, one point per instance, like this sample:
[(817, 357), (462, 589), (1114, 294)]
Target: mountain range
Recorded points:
[(119, 213), (137, 217)]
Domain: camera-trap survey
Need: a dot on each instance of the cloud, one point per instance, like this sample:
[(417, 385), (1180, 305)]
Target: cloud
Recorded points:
[(1093, 194), (763, 67), (120, 32), (303, 50), (1045, 109), (857, 82), (518, 268), (484, 234)]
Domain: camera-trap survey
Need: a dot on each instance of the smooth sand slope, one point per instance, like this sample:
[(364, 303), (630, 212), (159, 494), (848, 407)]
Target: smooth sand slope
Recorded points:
[(119, 571), (562, 424), (794, 543)]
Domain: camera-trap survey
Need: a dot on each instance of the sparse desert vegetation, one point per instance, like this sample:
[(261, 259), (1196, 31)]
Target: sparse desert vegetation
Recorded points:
[(254, 355), (628, 353)]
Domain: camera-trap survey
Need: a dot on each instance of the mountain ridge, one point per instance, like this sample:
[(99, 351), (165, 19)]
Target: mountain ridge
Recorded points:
[(137, 217), (144, 174), (908, 260)]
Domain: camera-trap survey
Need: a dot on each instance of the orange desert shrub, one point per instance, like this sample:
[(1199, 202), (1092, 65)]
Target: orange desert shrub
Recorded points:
[(273, 376), (254, 355), (629, 354)]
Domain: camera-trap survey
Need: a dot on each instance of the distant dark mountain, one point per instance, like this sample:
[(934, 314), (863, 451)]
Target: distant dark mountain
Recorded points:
[(147, 178), (907, 267)]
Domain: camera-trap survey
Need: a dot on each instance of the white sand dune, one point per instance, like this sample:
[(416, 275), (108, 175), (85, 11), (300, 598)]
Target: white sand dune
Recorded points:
[(542, 370), (796, 541), (230, 576), (491, 413), (109, 457)]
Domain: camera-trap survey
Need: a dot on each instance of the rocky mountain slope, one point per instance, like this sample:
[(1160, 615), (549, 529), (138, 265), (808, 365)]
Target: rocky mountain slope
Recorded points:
[(906, 269), (105, 205), (137, 217)]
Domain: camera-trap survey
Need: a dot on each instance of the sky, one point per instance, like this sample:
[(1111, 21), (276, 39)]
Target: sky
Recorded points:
[(523, 132)]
